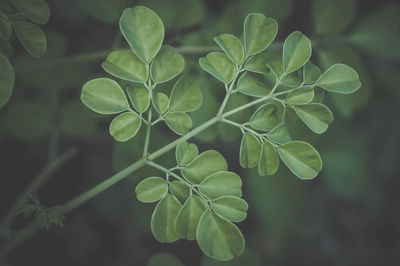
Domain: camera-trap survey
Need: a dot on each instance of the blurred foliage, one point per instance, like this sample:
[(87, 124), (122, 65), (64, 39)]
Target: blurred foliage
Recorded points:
[(347, 216)]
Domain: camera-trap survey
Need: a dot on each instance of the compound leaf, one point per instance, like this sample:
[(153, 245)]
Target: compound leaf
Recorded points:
[(296, 51), (339, 78), (185, 96), (230, 207), (140, 98), (250, 151), (315, 115), (232, 47), (218, 65), (166, 65), (220, 184), (151, 189), (179, 122), (269, 160), (125, 126)]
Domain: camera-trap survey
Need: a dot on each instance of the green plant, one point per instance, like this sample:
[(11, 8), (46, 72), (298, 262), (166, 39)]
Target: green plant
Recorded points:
[(198, 198)]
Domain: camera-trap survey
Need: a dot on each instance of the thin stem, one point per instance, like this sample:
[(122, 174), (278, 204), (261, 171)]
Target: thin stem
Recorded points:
[(147, 138), (36, 183)]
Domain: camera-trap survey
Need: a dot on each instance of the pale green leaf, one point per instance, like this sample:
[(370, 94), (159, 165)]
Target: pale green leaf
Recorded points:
[(301, 158), (32, 37), (280, 134), (315, 115), (207, 163), (257, 64), (163, 219), (253, 84), (185, 96), (218, 65), (310, 73), (339, 78), (300, 96), (151, 189), (259, 32), (219, 238), (179, 122), (7, 78), (125, 126), (220, 184), (296, 51), (104, 96), (124, 64), (143, 30), (230, 207), (35, 10), (185, 153), (267, 116), (160, 102), (269, 160), (166, 65), (180, 190), (140, 98), (232, 47), (250, 151)]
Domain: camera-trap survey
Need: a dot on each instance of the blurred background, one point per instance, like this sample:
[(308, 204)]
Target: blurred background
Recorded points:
[(348, 215)]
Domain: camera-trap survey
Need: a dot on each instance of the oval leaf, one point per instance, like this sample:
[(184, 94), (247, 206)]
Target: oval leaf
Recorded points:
[(166, 65), (250, 151), (125, 126), (151, 189), (143, 30), (32, 37), (253, 84), (36, 10), (7, 78), (310, 73), (267, 116), (160, 102), (301, 158), (140, 98), (300, 96), (179, 122), (296, 51), (207, 163), (185, 153), (221, 184), (257, 64), (259, 32), (231, 208), (232, 47), (339, 78), (280, 134), (218, 65), (104, 96), (315, 115), (180, 190), (185, 96), (269, 160), (218, 238)]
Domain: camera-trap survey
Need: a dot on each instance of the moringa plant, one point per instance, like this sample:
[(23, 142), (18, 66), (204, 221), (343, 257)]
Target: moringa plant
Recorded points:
[(199, 199)]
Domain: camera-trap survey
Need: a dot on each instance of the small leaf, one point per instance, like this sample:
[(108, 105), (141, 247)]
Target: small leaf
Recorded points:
[(104, 96), (232, 47), (259, 32), (310, 73), (140, 98), (166, 65), (180, 190), (35, 10), (267, 116), (280, 134), (253, 84), (339, 78), (319, 95), (185, 153), (207, 163), (163, 219), (220, 184), (143, 30), (218, 65), (185, 96), (294, 79), (151, 189), (301, 158), (250, 151), (218, 238), (315, 115), (32, 37), (164, 258), (296, 51), (179, 122), (231, 208), (269, 160), (257, 64), (124, 64), (125, 126), (7, 78), (188, 218), (160, 102), (300, 96)]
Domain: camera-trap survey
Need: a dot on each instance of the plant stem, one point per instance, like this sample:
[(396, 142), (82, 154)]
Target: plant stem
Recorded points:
[(147, 138), (36, 183)]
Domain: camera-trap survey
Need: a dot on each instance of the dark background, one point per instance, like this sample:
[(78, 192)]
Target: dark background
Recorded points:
[(348, 215)]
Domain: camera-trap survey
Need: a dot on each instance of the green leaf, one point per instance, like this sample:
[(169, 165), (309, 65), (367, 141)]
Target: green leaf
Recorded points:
[(280, 134), (232, 47), (124, 64), (267, 116), (5, 47), (218, 65), (188, 218), (35, 10), (180, 190), (300, 96), (250, 151), (5, 26), (143, 30), (125, 126), (218, 238), (151, 189), (166, 65), (32, 37), (185, 96), (257, 64), (7, 78), (160, 102), (259, 32), (140, 98), (269, 160), (179, 122), (165, 259), (207, 163), (294, 79), (220, 184), (230, 207), (319, 95), (339, 78), (315, 115), (163, 219), (253, 84), (296, 51), (310, 73), (301, 158), (185, 153), (104, 96)]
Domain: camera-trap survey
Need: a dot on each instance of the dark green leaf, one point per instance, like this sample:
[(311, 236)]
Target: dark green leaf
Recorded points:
[(7, 77), (36, 10), (31, 37)]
